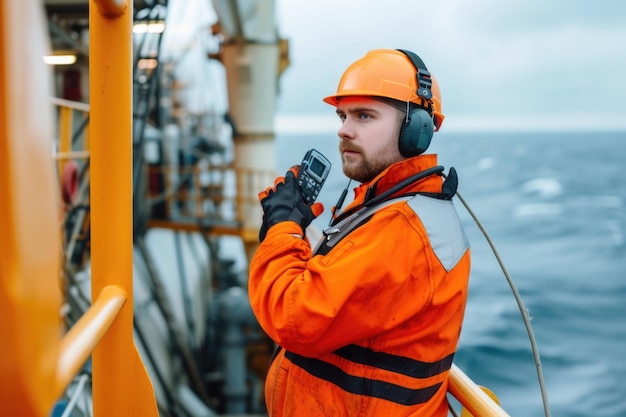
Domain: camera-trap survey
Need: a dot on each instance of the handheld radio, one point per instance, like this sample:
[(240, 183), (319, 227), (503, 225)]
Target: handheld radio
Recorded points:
[(313, 172)]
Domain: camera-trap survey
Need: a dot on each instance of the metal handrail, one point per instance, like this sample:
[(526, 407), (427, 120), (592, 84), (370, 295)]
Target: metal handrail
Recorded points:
[(66, 133), (70, 104), (36, 362), (82, 338), (471, 396)]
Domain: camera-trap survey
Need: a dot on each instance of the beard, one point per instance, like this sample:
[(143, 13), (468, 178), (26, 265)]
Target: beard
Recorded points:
[(362, 167)]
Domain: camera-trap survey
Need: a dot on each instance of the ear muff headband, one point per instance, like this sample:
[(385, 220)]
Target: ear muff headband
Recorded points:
[(417, 130), (424, 81)]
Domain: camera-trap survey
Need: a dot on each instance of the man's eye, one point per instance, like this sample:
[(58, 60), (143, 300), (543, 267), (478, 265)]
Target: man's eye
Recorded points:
[(364, 116)]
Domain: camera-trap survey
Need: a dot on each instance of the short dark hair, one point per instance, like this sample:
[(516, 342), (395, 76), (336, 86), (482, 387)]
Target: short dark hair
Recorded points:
[(400, 105)]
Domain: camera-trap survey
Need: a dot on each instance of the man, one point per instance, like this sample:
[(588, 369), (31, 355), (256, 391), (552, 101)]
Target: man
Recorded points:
[(368, 322)]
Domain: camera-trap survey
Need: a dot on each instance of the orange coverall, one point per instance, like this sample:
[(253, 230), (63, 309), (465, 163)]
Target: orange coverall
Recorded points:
[(370, 328)]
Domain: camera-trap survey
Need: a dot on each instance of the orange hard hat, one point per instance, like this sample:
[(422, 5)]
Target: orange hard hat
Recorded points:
[(388, 73)]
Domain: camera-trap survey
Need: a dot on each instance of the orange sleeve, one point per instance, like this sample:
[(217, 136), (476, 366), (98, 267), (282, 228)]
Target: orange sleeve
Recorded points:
[(374, 279)]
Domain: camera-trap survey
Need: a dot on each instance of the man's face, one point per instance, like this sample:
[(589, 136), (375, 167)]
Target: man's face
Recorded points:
[(368, 137)]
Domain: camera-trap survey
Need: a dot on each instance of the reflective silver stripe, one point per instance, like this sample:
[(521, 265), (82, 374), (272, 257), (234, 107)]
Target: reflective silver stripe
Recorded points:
[(332, 235), (445, 232)]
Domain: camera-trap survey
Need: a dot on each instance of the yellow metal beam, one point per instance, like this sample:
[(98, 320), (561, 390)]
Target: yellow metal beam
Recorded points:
[(121, 386), (30, 242)]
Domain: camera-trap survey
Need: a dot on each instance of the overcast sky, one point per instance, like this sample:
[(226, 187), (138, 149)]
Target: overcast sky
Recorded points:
[(534, 64), (501, 64)]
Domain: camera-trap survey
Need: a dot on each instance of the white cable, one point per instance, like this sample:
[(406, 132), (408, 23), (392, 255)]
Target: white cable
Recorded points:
[(522, 309)]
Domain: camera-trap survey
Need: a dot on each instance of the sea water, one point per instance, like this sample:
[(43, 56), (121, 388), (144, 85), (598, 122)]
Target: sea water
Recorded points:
[(554, 204)]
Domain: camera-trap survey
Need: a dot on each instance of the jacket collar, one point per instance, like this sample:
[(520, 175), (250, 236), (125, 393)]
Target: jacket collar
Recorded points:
[(395, 173)]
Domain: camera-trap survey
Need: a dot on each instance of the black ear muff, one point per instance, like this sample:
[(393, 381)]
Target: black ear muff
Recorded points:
[(418, 128), (416, 133)]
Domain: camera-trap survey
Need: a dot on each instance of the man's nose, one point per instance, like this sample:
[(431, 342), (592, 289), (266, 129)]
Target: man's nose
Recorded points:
[(345, 130)]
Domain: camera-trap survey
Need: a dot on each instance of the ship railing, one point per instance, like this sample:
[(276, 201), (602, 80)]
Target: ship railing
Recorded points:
[(72, 133), (192, 195), (71, 153), (37, 359), (215, 198), (476, 400)]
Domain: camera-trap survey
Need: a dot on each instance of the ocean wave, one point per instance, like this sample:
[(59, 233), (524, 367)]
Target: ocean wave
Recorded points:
[(485, 164), (537, 209), (543, 187)]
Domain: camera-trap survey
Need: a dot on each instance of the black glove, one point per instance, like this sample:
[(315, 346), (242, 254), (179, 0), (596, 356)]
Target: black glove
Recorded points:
[(284, 202)]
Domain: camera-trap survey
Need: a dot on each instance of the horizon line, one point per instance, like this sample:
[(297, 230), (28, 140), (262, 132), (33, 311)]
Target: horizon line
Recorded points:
[(329, 123)]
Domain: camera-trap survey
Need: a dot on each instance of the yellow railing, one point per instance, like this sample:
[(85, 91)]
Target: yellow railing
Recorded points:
[(475, 401), (30, 297), (37, 361), (71, 149), (66, 111), (188, 197), (83, 337)]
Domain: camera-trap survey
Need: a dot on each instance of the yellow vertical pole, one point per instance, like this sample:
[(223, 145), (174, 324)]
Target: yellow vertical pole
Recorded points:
[(121, 386), (30, 297)]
